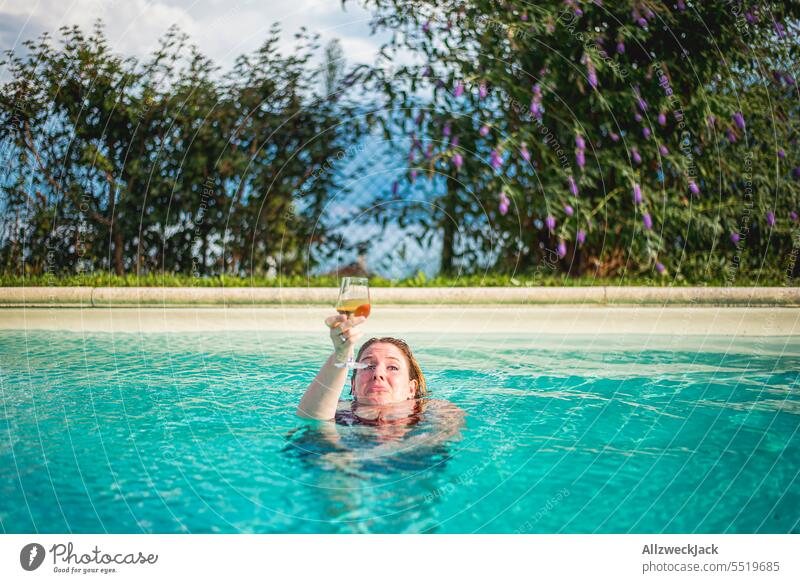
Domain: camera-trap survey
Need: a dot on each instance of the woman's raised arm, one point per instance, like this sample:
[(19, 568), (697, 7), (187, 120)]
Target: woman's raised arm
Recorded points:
[(322, 395)]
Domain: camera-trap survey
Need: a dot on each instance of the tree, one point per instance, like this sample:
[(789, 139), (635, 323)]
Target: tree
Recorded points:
[(605, 138), (167, 165)]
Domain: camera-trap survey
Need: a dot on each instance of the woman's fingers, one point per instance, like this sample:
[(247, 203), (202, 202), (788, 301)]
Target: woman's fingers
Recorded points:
[(352, 323), (335, 321), (350, 334), (344, 332), (342, 322)]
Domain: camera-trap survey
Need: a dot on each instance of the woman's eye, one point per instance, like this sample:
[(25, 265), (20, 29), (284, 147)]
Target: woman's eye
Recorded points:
[(393, 368)]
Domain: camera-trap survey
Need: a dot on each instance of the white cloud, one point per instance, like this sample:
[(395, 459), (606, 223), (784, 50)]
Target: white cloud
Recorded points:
[(222, 29), (133, 26)]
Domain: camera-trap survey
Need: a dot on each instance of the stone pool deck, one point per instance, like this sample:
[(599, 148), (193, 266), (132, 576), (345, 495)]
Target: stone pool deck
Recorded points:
[(92, 297), (732, 312), (386, 320)]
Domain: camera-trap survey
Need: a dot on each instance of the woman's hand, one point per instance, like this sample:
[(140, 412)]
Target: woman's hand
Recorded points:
[(345, 333)]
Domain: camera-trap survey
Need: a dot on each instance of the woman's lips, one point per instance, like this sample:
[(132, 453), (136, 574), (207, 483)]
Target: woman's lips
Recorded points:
[(377, 389)]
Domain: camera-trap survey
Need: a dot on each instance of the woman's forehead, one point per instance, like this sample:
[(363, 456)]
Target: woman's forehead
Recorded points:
[(383, 350)]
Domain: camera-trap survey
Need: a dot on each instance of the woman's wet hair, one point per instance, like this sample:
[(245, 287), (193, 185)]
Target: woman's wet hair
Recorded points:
[(414, 370)]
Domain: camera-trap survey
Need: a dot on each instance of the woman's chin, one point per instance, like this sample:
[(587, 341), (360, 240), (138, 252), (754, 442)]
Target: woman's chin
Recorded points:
[(378, 398)]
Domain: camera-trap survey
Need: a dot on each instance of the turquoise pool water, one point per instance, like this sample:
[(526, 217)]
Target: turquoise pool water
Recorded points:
[(165, 433)]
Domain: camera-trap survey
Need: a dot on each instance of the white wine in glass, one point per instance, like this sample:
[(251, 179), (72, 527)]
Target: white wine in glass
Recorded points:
[(353, 302)]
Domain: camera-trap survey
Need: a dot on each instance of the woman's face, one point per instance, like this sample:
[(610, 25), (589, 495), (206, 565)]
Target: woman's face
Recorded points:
[(385, 380)]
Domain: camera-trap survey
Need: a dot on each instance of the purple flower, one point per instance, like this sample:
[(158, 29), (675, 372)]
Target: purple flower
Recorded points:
[(504, 203), (591, 74), (770, 218), (779, 28), (550, 221), (642, 22), (646, 132), (781, 154), (647, 221), (483, 91), (641, 102), (734, 238), (738, 118), (484, 131), (751, 19), (446, 130), (458, 161), (796, 173), (536, 108), (496, 159), (681, 5), (793, 216), (413, 175), (562, 249), (569, 210), (523, 16), (621, 47), (663, 150), (580, 143), (395, 187), (637, 159), (660, 268), (581, 237), (580, 158), (459, 90), (614, 137), (426, 72), (694, 188), (525, 154), (711, 120), (426, 28), (454, 142), (638, 117), (637, 194), (662, 119), (573, 187), (731, 136)]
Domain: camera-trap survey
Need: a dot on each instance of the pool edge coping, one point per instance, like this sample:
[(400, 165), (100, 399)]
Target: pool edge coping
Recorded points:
[(198, 297)]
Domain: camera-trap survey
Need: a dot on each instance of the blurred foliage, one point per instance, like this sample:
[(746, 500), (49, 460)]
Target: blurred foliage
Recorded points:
[(564, 143), (551, 279), (168, 165), (544, 121)]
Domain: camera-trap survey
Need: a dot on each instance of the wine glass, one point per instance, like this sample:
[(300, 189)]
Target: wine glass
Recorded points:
[(353, 301)]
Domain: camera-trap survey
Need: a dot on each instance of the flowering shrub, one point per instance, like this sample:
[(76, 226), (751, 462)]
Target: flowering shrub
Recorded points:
[(562, 109)]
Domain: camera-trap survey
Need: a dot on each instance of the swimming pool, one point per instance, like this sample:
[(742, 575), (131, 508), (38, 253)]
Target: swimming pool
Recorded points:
[(195, 432)]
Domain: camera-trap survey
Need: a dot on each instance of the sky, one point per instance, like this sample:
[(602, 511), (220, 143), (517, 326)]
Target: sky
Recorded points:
[(222, 29)]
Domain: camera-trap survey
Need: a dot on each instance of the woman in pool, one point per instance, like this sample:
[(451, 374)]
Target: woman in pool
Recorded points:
[(390, 391)]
